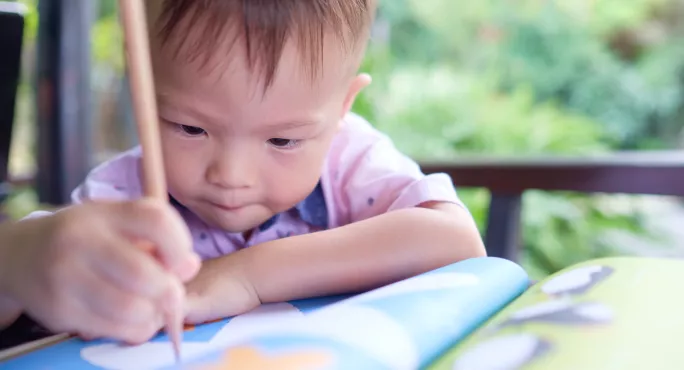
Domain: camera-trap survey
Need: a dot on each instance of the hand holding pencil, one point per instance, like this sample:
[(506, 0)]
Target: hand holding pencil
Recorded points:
[(145, 107), (104, 269)]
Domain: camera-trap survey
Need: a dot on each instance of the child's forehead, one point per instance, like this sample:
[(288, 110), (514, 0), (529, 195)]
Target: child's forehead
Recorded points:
[(228, 88)]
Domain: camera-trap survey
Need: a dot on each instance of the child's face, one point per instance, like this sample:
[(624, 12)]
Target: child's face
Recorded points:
[(235, 156)]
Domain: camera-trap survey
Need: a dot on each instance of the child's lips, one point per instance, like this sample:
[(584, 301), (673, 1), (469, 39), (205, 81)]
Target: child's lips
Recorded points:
[(230, 208)]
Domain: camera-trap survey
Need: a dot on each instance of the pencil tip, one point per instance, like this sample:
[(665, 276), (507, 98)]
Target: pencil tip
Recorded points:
[(176, 351)]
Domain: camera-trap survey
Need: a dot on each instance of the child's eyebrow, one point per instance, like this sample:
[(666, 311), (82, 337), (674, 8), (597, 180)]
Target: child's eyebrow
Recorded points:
[(292, 124), (167, 103)]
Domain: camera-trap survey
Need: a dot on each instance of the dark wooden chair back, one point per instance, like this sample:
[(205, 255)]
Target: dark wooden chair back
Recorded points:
[(11, 39)]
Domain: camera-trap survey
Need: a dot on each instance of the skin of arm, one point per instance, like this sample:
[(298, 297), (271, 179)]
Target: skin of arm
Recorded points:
[(10, 235), (352, 258), (9, 311)]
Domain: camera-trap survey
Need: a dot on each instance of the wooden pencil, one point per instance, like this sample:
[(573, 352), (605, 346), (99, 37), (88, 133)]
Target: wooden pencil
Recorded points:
[(139, 65), (142, 91), (35, 345)]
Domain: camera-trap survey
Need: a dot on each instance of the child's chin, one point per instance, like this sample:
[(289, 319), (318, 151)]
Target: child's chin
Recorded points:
[(237, 226), (235, 221)]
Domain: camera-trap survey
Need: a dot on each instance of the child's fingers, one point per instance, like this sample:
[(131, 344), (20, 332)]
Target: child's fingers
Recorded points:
[(174, 297), (101, 327), (198, 310), (192, 307), (116, 304), (159, 224), (121, 262)]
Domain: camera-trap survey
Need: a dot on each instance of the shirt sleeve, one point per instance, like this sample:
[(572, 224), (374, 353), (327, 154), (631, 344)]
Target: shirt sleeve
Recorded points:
[(116, 179), (369, 176)]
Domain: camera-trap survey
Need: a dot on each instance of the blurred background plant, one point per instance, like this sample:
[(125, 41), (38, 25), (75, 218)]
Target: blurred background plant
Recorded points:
[(511, 78)]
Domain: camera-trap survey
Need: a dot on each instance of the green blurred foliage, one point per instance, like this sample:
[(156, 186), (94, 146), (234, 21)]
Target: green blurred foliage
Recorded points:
[(566, 62), (107, 39), (528, 77), (107, 42), (618, 65)]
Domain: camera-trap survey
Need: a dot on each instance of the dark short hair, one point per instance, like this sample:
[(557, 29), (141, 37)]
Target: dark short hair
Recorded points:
[(264, 26)]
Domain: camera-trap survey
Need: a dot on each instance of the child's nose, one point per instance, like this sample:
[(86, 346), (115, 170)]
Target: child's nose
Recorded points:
[(231, 172)]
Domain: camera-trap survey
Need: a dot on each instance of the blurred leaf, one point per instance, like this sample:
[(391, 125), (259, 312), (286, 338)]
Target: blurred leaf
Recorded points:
[(107, 42), (30, 20)]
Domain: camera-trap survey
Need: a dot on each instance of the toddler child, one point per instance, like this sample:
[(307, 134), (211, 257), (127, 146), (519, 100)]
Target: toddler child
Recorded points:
[(285, 192)]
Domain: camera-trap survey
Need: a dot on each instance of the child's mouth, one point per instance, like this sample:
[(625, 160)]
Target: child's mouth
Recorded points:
[(230, 208)]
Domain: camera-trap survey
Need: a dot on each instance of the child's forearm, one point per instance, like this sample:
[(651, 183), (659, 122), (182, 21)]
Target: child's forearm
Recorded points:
[(9, 312), (361, 255)]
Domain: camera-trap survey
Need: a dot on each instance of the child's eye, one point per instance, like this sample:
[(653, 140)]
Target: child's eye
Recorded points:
[(191, 130), (283, 143)]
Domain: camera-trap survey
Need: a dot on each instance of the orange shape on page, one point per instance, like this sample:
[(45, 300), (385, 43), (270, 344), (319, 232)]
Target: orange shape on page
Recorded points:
[(188, 327), (248, 358)]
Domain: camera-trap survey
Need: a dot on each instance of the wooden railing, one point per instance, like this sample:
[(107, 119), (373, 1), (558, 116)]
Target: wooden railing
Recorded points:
[(660, 173)]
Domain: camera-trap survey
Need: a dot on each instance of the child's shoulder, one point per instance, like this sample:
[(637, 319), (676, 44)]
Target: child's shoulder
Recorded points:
[(357, 136), (115, 179), (122, 167), (357, 126)]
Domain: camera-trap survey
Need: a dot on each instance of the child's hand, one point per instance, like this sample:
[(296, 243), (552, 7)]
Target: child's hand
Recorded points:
[(220, 290), (80, 271)]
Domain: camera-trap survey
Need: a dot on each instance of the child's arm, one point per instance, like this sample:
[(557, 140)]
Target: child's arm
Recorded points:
[(9, 311), (10, 235), (363, 255), (355, 257)]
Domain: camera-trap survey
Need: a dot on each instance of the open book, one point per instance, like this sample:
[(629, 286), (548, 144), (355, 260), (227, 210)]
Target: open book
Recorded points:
[(619, 313)]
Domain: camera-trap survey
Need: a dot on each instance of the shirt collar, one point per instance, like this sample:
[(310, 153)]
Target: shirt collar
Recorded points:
[(311, 210)]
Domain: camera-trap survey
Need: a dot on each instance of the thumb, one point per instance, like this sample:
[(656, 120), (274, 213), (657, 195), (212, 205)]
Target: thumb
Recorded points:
[(197, 310)]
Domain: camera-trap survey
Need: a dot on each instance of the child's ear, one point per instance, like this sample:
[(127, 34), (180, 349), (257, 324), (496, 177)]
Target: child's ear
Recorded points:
[(359, 83)]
